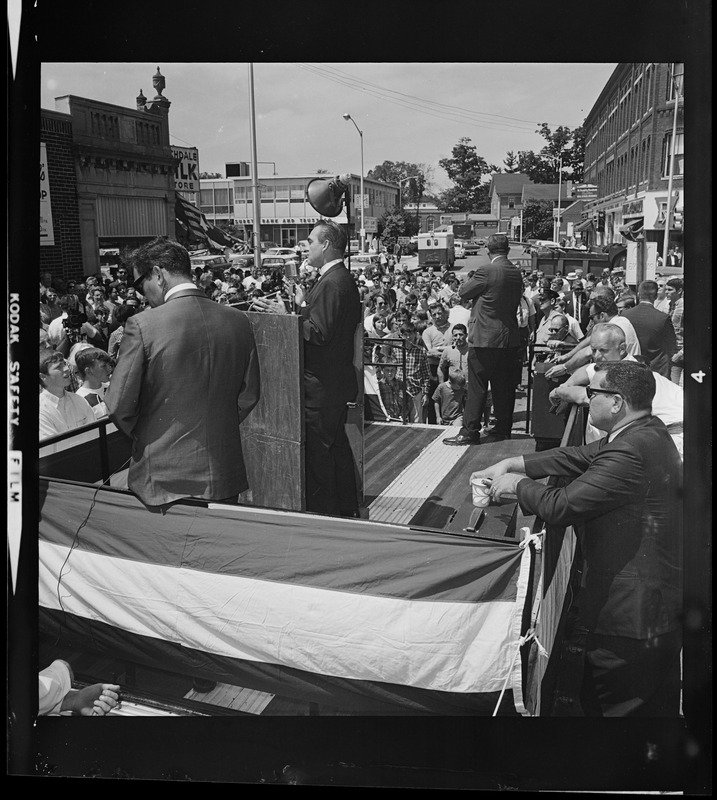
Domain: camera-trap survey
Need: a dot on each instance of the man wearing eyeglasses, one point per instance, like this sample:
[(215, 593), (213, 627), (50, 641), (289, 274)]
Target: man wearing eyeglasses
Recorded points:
[(624, 500), (187, 375)]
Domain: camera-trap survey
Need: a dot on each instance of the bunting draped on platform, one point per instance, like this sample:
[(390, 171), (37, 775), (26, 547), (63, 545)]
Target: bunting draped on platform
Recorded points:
[(377, 618), (195, 222)]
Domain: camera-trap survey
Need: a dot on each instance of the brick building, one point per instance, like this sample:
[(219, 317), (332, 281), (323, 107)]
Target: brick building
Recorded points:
[(61, 247), (111, 179), (628, 136)]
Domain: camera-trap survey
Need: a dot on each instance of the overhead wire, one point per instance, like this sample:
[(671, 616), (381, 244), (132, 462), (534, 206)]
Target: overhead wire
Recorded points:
[(423, 105)]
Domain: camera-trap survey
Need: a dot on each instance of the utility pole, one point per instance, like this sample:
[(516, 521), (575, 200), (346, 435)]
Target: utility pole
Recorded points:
[(256, 240)]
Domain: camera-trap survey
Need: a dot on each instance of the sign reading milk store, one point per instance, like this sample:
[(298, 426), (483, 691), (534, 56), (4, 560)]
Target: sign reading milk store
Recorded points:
[(186, 175), (47, 233)]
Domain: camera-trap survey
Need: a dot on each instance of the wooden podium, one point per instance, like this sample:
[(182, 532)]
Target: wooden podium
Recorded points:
[(273, 435)]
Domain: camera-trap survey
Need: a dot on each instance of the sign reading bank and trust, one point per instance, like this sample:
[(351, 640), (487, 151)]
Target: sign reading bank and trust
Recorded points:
[(186, 174)]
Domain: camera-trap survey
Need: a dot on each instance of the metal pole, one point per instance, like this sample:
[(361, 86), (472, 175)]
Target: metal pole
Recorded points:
[(668, 213), (560, 195), (363, 203), (254, 174)]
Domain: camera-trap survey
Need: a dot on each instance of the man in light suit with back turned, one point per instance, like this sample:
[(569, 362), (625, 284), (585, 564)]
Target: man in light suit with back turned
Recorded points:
[(495, 355), (187, 376), (331, 313)]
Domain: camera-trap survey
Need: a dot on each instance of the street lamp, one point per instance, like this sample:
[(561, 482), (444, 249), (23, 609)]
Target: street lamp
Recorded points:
[(348, 117)]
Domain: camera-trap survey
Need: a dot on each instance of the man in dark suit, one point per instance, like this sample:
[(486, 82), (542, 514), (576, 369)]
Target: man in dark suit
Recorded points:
[(495, 355), (575, 303), (654, 329), (331, 313), (187, 376), (624, 500)]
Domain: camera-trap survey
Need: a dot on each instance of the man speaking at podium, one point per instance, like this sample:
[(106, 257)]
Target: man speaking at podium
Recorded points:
[(331, 312)]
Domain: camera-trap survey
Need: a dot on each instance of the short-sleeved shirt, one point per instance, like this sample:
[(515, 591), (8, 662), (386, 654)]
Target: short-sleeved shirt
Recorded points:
[(450, 400)]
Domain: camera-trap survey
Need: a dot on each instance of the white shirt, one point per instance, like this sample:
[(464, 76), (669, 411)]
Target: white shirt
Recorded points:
[(457, 314), (180, 287), (54, 682), (631, 341), (97, 405), (60, 414)]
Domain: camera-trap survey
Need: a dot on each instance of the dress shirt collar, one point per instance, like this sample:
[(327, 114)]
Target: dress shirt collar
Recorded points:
[(180, 287), (327, 266), (617, 431)]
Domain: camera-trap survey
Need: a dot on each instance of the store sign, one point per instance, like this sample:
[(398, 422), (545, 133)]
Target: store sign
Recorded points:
[(186, 174), (47, 233), (586, 191), (370, 224), (632, 209)]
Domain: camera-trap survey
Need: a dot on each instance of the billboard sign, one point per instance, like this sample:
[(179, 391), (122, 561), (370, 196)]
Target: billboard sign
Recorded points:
[(186, 174), (47, 233), (586, 191)]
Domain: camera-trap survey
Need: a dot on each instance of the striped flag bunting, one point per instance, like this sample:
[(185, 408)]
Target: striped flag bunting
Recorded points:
[(369, 617)]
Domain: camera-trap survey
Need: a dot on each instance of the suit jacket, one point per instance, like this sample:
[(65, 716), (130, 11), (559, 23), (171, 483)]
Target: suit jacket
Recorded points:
[(577, 310), (656, 335), (187, 375), (625, 500), (495, 289), (332, 312)]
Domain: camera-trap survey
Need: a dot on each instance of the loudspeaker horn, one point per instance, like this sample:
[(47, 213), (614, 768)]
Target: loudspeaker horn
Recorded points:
[(326, 195)]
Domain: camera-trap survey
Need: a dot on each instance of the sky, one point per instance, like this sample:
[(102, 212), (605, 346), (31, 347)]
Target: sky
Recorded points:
[(414, 112)]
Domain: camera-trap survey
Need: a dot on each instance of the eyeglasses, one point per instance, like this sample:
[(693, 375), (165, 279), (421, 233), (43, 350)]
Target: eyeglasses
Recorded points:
[(139, 283), (590, 392)]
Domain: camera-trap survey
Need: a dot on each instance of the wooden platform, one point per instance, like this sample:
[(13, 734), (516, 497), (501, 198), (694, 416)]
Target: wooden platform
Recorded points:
[(414, 479)]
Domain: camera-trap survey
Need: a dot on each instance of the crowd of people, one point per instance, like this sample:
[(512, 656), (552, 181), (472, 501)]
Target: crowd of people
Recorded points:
[(446, 350)]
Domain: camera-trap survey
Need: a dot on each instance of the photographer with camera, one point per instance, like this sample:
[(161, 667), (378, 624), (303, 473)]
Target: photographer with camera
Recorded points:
[(70, 328)]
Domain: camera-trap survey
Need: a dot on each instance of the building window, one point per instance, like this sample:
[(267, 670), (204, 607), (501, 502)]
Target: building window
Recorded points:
[(676, 80), (221, 197), (511, 202), (679, 155), (206, 197)]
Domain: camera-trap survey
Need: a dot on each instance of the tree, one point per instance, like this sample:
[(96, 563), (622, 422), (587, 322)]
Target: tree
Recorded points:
[(511, 162), (322, 172), (210, 175), (394, 223), (538, 219), (544, 167), (466, 169)]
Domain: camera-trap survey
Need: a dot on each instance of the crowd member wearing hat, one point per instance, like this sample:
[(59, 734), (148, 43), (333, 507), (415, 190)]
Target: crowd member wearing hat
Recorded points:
[(575, 302), (549, 308)]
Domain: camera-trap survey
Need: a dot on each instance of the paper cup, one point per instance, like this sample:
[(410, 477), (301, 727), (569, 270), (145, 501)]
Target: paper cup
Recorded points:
[(481, 492)]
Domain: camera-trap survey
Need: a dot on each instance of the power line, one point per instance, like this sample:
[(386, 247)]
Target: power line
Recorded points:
[(420, 104)]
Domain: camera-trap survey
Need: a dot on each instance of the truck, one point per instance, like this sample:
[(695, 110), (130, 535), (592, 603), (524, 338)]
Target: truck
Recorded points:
[(436, 250), (461, 230)]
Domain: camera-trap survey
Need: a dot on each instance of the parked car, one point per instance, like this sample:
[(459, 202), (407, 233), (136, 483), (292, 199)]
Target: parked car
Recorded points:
[(217, 264), (364, 260), (471, 248), (354, 246), (282, 262), (242, 260), (281, 251)]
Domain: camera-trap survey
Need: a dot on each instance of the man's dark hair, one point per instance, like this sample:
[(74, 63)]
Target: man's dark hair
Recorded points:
[(627, 300), (548, 294), (647, 290), (459, 326), (164, 253), (603, 303), (49, 357), (86, 358), (634, 380), (102, 307), (407, 329), (412, 297), (498, 243), (676, 283), (124, 312), (333, 233)]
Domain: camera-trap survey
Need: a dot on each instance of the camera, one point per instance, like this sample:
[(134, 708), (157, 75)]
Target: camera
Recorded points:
[(75, 319)]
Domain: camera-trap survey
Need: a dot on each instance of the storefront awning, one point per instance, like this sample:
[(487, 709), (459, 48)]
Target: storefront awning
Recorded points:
[(584, 225), (631, 229)]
